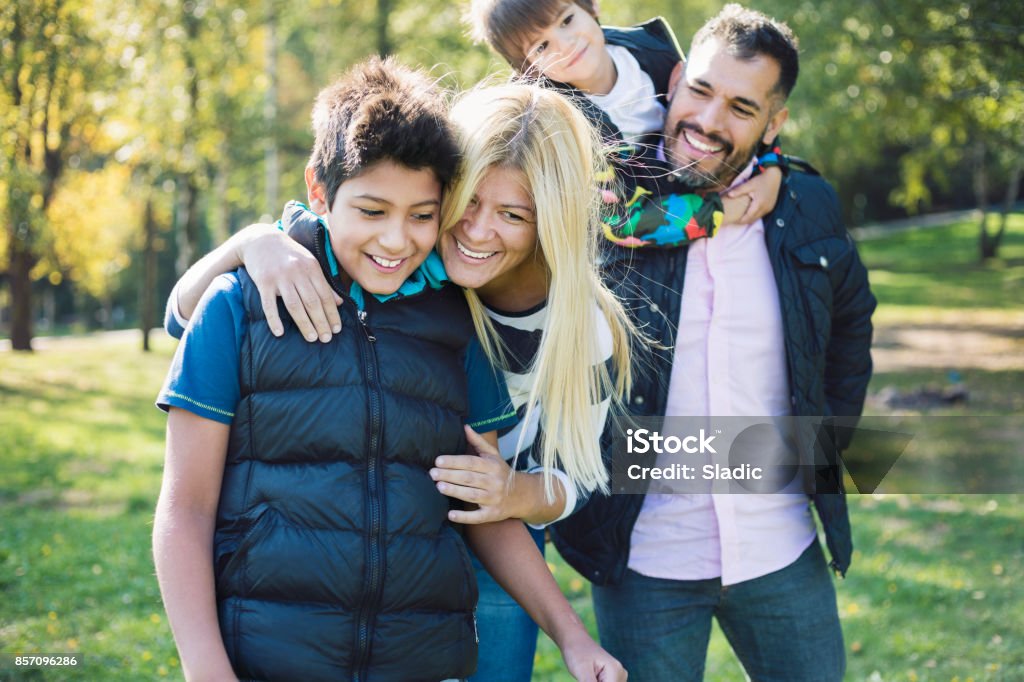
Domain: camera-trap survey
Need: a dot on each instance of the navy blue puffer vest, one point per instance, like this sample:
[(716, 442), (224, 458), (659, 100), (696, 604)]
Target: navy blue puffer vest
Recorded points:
[(334, 557)]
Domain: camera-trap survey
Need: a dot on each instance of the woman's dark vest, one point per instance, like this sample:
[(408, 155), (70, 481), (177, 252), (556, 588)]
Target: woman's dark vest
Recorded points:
[(333, 555)]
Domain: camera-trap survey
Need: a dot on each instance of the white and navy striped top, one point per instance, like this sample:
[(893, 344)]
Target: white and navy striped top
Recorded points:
[(521, 333)]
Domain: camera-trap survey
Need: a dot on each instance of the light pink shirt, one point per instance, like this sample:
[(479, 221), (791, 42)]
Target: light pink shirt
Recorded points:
[(729, 361)]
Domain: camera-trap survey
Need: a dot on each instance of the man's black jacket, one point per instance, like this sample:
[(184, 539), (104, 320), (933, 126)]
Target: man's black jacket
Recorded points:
[(826, 307)]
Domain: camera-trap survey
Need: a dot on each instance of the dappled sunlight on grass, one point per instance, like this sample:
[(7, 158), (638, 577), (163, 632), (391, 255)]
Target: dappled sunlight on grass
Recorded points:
[(83, 451), (935, 592), (939, 268), (940, 593)]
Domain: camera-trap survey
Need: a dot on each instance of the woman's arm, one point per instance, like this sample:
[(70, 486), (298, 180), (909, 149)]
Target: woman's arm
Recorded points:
[(486, 480), (183, 541), (279, 267), (510, 555)]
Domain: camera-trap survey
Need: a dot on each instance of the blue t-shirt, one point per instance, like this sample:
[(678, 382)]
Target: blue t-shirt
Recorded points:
[(203, 377)]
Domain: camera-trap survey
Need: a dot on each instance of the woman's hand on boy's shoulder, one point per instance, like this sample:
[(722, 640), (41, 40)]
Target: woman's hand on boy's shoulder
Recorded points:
[(281, 267), (482, 479)]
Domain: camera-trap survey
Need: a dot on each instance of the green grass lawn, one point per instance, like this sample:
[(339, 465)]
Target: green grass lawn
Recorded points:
[(82, 451), (936, 591), (936, 272)]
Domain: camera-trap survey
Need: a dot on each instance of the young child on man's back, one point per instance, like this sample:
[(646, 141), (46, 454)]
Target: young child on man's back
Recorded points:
[(298, 534), (620, 78)]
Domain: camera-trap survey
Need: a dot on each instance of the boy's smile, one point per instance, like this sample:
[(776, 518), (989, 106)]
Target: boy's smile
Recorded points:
[(385, 265), (383, 223)]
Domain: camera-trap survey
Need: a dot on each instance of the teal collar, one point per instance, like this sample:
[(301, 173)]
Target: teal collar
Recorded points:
[(430, 273)]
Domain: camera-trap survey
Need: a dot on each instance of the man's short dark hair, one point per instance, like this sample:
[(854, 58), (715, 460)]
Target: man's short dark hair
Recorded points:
[(748, 34), (380, 110)]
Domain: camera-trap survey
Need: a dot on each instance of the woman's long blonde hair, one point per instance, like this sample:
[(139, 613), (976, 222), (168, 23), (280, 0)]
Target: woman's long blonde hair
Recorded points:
[(539, 133)]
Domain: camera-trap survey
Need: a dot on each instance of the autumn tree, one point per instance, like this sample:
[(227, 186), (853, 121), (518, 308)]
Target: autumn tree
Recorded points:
[(54, 78)]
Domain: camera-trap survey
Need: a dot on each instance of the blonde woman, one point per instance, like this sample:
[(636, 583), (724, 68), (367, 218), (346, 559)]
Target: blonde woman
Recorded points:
[(520, 228)]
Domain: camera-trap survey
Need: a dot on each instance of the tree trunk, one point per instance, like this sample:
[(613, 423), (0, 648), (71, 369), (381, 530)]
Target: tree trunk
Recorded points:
[(19, 252), (107, 311), (272, 170), (188, 184), (383, 15), (1012, 190), (220, 216), (184, 256), (49, 318), (187, 237), (987, 244), (985, 249), (147, 292), (20, 262)]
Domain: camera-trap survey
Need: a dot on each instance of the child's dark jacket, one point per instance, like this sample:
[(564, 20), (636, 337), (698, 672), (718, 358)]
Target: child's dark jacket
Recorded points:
[(655, 49)]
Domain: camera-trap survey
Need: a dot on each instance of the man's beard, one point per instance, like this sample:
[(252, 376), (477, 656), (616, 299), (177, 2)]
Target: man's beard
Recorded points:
[(694, 177)]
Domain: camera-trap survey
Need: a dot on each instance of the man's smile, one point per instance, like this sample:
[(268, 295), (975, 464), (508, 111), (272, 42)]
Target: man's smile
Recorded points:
[(695, 137), (693, 142)]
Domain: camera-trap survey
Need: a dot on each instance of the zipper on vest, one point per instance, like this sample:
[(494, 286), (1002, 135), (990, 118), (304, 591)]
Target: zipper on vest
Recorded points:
[(366, 328), (375, 506)]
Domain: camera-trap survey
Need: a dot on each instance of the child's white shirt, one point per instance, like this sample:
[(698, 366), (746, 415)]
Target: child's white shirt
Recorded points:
[(632, 104)]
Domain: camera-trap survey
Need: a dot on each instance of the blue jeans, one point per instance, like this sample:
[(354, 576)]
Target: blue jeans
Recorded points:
[(508, 636), (784, 626)]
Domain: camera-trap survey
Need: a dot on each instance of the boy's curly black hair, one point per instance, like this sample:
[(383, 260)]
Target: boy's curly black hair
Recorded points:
[(380, 110)]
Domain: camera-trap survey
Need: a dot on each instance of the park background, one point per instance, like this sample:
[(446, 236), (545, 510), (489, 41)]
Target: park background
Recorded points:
[(133, 136)]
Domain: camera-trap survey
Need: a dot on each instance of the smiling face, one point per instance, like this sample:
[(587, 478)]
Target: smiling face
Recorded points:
[(493, 247), (572, 50), (383, 223), (720, 111)]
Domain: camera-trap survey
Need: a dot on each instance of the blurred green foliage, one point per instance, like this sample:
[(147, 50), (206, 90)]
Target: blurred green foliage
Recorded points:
[(906, 105)]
